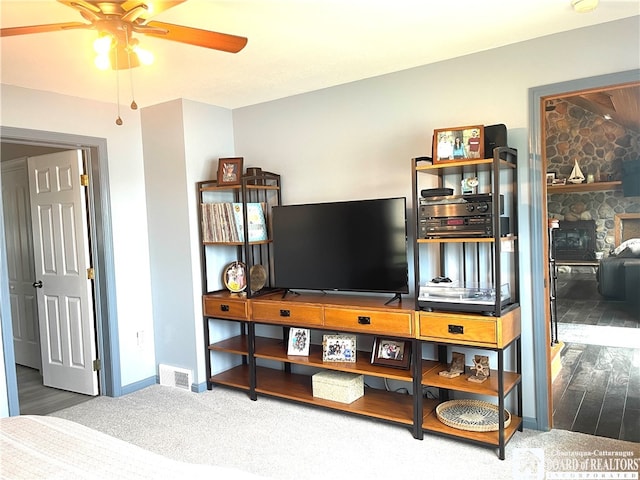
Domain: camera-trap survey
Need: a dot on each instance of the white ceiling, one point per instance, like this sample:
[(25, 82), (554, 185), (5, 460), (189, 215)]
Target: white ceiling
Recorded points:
[(294, 46)]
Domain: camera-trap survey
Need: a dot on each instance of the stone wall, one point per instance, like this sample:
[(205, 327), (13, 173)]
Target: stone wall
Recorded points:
[(599, 146)]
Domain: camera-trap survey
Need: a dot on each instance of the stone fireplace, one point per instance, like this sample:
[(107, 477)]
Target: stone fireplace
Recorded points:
[(599, 146)]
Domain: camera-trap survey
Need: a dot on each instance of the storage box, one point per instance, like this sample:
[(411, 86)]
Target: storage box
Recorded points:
[(340, 387)]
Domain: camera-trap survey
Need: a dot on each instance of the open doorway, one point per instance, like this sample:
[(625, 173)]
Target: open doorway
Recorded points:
[(101, 252), (587, 136)]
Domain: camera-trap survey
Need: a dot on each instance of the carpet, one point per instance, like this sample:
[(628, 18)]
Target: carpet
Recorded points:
[(39, 447), (290, 441)]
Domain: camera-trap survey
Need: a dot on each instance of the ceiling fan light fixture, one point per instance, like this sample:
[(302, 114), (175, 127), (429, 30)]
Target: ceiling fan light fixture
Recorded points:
[(144, 56), (102, 61), (584, 6), (102, 44)]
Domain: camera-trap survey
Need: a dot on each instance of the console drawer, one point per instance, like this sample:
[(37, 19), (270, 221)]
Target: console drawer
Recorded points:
[(286, 312), (469, 329), (220, 307), (397, 324), (458, 328)]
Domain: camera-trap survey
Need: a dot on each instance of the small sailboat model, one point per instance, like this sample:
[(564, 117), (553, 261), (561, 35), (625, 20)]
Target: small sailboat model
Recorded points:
[(576, 174)]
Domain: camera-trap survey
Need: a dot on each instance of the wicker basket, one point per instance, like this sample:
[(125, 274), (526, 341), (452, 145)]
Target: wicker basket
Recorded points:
[(471, 415)]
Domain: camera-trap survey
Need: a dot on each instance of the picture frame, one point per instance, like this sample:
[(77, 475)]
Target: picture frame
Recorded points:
[(389, 352), (551, 176), (230, 170), (234, 277), (457, 144), (339, 348), (299, 340)]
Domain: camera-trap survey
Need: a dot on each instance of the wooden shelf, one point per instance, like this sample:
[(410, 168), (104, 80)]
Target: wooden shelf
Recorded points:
[(237, 244), (431, 423), (391, 406), (237, 377), (238, 345), (431, 378), (274, 349), (458, 166), (584, 187)]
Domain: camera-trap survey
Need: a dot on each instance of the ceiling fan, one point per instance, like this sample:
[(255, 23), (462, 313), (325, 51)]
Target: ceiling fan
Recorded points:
[(118, 20)]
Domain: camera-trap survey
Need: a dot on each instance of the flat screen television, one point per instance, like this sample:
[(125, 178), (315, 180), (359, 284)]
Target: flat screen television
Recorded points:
[(358, 246)]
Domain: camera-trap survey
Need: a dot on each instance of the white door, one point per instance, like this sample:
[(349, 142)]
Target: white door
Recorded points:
[(62, 260), (22, 295)]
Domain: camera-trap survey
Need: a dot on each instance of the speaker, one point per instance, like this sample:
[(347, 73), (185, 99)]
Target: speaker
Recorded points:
[(494, 136)]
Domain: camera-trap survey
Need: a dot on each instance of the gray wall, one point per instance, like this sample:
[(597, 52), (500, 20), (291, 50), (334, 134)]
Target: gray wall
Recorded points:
[(356, 140)]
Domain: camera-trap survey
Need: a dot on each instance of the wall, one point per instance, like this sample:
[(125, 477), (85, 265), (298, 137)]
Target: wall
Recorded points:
[(31, 109), (351, 141), (182, 142), (356, 140)]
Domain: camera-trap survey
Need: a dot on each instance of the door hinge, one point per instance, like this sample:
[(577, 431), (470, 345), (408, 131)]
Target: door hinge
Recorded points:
[(84, 180), (96, 365), (91, 274)]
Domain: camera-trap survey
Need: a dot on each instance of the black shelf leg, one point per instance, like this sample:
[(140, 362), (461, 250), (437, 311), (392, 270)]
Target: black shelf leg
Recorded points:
[(416, 349)]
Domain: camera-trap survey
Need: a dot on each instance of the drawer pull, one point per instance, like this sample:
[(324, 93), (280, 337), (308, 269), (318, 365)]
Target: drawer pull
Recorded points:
[(224, 308), (285, 313), (364, 320), (456, 329)]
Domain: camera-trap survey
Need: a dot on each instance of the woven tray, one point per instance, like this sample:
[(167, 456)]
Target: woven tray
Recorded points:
[(471, 415)]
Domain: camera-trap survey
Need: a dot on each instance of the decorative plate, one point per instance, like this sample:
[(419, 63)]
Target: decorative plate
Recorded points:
[(257, 278), (235, 277), (471, 415)]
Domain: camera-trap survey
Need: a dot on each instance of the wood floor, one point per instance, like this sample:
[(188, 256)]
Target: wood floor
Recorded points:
[(598, 388), (36, 399)]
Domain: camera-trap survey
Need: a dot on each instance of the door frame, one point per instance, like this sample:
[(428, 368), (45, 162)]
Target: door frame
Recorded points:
[(101, 246), (540, 300)]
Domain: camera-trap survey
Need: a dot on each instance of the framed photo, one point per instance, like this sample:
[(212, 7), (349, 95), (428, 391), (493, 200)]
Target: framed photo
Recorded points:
[(458, 143), (391, 353), (234, 277), (299, 341), (339, 348), (551, 176), (229, 171)]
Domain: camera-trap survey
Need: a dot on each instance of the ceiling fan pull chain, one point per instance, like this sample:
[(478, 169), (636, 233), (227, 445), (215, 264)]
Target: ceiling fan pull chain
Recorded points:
[(134, 105), (118, 120)]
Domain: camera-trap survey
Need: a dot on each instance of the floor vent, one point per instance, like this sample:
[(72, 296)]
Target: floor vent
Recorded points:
[(175, 377)]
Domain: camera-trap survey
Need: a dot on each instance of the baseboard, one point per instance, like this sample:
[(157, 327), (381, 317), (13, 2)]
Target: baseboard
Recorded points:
[(139, 385)]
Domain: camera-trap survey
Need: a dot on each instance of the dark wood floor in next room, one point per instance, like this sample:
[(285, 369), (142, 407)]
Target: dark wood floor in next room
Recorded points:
[(598, 388)]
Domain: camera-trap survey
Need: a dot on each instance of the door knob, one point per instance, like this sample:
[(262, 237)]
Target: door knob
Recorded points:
[(38, 284)]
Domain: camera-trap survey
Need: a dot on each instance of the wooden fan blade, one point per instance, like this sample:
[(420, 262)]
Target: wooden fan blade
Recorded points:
[(197, 37), (51, 27), (155, 6)]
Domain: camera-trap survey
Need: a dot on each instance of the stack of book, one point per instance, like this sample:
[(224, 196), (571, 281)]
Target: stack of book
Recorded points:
[(224, 222)]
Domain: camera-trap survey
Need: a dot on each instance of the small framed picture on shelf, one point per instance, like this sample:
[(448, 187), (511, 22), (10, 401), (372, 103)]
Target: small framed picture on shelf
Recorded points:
[(230, 170), (551, 176), (234, 277), (339, 348), (391, 353), (299, 341), (458, 143)]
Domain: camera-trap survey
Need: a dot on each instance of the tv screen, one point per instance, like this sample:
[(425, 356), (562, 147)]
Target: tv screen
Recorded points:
[(352, 246)]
